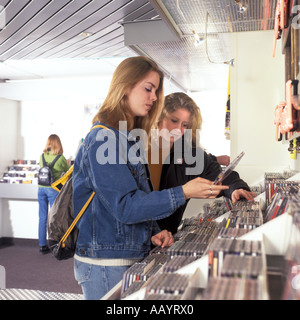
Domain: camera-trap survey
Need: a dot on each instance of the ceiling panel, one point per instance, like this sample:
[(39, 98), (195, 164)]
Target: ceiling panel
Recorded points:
[(53, 29)]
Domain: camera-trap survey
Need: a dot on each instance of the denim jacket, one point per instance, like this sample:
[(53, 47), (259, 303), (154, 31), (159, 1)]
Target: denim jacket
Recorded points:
[(121, 218)]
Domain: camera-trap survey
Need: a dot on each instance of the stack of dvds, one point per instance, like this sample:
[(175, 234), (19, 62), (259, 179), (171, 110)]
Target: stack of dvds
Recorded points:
[(221, 248), (196, 243), (211, 211), (234, 269), (244, 217), (281, 199), (215, 209), (138, 274), (273, 180), (167, 286), (177, 262), (232, 289)]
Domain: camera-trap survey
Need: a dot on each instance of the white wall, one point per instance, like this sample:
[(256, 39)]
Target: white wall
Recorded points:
[(10, 129), (257, 86), (212, 105), (39, 119)]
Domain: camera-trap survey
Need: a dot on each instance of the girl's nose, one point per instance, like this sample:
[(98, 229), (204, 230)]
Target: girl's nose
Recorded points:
[(153, 96)]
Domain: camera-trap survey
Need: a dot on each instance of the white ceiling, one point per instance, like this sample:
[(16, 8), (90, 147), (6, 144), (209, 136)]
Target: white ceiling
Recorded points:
[(47, 39)]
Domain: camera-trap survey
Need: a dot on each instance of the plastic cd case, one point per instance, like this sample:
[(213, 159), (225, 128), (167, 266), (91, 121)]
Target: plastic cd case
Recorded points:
[(225, 173)]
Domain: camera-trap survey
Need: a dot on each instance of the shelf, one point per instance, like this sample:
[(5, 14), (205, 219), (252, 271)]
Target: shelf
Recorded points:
[(273, 234), (18, 191)]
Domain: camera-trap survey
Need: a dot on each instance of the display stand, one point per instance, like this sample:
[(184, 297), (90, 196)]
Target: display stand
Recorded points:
[(274, 235), (18, 191)]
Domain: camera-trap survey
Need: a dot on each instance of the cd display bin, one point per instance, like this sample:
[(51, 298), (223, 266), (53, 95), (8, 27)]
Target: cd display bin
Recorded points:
[(274, 238), (273, 235)]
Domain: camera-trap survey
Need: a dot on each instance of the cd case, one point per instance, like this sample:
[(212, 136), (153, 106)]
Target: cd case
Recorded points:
[(225, 173)]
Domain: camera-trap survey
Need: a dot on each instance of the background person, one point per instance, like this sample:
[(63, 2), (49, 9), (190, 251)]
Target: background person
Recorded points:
[(46, 194)]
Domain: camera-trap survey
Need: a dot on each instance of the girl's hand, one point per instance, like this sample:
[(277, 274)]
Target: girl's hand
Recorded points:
[(163, 239), (202, 188)]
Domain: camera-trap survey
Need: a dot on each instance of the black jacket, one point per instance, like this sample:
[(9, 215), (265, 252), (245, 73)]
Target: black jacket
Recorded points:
[(174, 174)]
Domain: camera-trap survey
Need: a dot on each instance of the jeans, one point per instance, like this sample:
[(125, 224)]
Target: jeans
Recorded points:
[(96, 281), (46, 197)]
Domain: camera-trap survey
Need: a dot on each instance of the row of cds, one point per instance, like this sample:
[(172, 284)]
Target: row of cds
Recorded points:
[(235, 266), (281, 198), (192, 241), (275, 180), (21, 172)]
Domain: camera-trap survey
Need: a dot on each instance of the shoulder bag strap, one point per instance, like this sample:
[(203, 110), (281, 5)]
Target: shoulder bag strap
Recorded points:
[(65, 236)]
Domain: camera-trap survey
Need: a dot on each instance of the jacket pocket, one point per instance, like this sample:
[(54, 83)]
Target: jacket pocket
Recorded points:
[(137, 235), (139, 173)]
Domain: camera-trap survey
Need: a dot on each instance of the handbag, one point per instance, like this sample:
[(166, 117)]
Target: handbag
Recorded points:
[(61, 225)]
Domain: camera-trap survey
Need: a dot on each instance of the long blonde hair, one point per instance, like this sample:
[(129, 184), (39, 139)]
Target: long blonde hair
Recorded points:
[(53, 145), (179, 100), (115, 107)]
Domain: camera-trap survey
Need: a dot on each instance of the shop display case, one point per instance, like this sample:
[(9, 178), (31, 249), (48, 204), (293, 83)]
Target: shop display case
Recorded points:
[(19, 181), (265, 268)]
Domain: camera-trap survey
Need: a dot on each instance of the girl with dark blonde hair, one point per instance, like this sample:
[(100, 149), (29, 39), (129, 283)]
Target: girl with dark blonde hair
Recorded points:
[(181, 113), (119, 225), (46, 194), (180, 100)]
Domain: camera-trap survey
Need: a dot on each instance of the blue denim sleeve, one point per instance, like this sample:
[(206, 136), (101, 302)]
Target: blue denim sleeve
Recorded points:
[(118, 190)]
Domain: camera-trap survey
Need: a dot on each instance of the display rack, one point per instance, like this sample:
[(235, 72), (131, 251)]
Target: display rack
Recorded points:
[(274, 236), (21, 172)]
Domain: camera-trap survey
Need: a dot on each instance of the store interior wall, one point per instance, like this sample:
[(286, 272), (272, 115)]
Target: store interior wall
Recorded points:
[(257, 85), (10, 131)]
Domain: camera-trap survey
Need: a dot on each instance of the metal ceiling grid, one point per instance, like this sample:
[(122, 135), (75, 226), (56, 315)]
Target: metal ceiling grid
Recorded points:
[(188, 63), (224, 15), (213, 20)]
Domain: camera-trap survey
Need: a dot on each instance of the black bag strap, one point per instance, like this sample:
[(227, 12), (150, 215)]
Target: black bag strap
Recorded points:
[(53, 162), (43, 159)]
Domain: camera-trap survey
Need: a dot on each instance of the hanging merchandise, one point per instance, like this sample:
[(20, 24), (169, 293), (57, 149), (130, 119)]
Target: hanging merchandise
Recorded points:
[(227, 115), (278, 111), (287, 114), (281, 21)]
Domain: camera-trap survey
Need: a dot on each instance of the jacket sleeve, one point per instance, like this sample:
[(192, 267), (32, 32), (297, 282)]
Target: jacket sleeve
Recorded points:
[(118, 190)]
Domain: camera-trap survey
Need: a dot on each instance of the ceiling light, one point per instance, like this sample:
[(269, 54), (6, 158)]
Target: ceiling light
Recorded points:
[(198, 39), (85, 34)]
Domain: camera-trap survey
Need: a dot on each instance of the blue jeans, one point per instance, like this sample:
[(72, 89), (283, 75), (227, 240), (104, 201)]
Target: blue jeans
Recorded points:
[(96, 281), (46, 197)]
